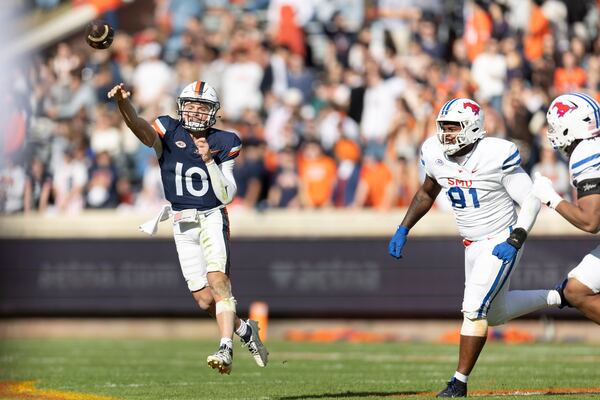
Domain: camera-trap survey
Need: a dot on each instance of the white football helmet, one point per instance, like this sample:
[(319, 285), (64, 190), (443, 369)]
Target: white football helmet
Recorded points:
[(469, 115), (572, 116), (198, 92)]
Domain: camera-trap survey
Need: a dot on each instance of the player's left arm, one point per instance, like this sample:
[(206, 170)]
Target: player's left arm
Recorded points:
[(585, 215), (518, 185), (222, 180)]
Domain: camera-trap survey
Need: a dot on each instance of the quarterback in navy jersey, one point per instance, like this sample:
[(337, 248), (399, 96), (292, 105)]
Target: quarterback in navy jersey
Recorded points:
[(574, 129), (196, 163), (185, 174)]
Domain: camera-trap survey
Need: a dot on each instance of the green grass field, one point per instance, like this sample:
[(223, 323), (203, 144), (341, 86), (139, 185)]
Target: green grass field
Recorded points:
[(147, 369)]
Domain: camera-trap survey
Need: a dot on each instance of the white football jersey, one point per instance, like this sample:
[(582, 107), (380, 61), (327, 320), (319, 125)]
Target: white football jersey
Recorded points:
[(584, 163), (481, 204)]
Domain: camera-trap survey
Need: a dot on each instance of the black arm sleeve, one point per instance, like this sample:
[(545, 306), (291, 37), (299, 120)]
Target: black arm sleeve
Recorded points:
[(587, 187)]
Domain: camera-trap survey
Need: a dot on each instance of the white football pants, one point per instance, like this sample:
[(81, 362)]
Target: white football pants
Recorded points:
[(203, 247)]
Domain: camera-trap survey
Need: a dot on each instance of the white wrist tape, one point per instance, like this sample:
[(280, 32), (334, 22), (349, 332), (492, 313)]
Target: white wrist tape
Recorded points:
[(554, 200)]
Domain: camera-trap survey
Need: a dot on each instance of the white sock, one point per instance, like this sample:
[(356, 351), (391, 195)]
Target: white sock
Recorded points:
[(553, 298), (226, 342), (461, 377), (241, 331)]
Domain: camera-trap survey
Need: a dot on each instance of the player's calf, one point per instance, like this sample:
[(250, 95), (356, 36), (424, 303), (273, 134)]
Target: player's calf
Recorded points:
[(576, 293)]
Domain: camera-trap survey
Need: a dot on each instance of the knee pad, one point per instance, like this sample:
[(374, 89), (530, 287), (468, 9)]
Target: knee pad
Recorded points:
[(225, 305), (474, 327)]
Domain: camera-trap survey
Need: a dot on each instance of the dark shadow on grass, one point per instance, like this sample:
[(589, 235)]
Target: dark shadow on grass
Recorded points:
[(346, 395)]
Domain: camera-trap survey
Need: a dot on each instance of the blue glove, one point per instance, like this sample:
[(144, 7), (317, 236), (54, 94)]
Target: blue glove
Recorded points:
[(505, 251), (397, 242)]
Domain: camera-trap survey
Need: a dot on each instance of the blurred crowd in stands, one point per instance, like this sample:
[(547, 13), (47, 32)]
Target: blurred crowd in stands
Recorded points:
[(332, 98)]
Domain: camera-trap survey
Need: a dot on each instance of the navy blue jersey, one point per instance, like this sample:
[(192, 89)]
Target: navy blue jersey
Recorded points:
[(184, 174)]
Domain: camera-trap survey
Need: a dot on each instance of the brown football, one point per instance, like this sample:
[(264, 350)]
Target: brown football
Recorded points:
[(99, 34)]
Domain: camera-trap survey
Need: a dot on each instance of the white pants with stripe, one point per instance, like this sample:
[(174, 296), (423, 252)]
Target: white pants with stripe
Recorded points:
[(203, 247), (487, 281), (588, 270)]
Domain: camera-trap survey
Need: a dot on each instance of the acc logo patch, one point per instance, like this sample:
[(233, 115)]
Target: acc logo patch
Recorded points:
[(439, 162), (589, 186), (181, 144)]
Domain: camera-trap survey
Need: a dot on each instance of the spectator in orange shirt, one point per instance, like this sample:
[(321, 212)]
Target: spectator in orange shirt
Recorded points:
[(570, 77), (478, 28), (537, 29), (317, 176), (375, 188), (347, 154)]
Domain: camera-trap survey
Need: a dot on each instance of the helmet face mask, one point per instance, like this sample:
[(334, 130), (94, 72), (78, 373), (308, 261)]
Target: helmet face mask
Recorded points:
[(197, 115), (572, 117), (459, 124), (197, 106), (452, 136), (560, 141)]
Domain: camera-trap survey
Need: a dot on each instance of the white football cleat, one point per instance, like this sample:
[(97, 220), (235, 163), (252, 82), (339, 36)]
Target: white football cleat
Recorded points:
[(222, 360), (256, 346)]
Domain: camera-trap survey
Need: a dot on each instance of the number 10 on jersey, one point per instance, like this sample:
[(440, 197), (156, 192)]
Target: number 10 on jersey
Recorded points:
[(458, 198)]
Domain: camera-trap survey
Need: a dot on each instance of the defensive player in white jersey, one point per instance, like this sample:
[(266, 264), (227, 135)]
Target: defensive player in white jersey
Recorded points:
[(482, 178), (196, 163), (574, 129)]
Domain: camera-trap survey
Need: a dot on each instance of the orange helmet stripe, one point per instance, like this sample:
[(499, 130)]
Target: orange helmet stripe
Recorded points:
[(199, 87)]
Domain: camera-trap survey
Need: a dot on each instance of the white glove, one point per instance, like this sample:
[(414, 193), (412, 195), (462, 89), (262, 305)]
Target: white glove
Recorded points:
[(544, 191)]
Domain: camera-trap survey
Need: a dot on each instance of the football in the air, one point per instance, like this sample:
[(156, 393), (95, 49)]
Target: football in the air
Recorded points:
[(99, 34)]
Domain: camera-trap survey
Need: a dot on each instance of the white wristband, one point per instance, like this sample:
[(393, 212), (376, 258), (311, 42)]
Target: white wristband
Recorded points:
[(555, 200)]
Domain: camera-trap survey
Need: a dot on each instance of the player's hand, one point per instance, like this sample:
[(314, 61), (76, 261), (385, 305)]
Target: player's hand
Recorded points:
[(203, 148), (119, 92), (398, 241), (544, 191), (505, 251)]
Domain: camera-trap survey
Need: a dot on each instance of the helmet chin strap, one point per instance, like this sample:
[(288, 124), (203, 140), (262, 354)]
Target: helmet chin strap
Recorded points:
[(463, 151)]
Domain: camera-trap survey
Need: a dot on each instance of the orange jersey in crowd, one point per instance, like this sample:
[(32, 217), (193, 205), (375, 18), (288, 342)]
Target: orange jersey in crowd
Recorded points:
[(538, 28), (378, 177), (318, 176), (478, 30), (566, 80), (101, 5)]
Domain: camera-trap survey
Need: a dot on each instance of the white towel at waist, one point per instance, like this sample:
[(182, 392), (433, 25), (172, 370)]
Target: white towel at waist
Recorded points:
[(151, 226)]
